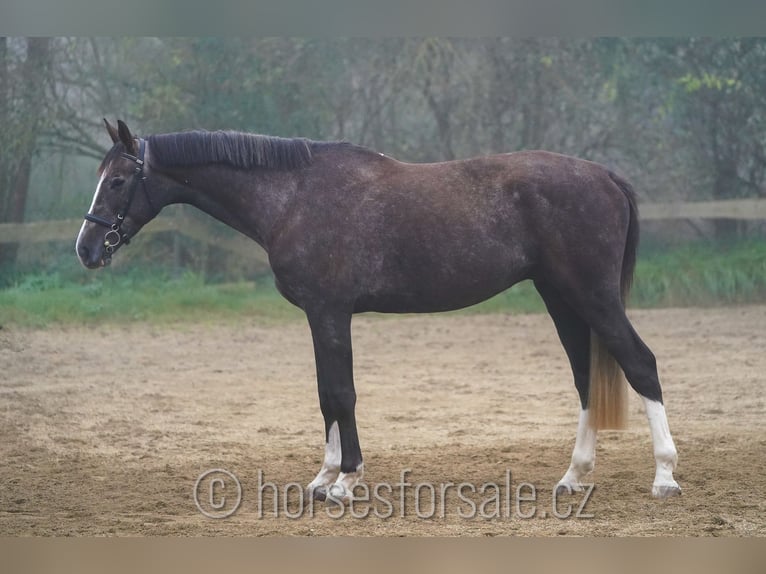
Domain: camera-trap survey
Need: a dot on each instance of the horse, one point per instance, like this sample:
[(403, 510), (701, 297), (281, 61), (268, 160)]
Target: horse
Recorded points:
[(348, 230)]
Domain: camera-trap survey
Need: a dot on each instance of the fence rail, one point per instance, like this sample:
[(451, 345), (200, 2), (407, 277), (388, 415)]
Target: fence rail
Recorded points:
[(67, 229), (723, 209)]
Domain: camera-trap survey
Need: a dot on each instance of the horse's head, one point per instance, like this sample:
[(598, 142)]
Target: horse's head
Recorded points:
[(121, 204)]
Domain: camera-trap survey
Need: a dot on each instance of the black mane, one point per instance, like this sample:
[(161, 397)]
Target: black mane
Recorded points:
[(239, 150)]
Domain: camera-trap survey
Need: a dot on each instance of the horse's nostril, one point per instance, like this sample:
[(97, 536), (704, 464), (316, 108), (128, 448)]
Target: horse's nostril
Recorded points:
[(83, 252)]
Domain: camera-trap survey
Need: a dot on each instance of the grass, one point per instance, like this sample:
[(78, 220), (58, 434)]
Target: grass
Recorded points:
[(701, 274), (39, 301), (693, 275)]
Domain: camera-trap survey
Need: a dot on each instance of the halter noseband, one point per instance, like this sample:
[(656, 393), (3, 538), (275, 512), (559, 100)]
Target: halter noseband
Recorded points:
[(115, 235)]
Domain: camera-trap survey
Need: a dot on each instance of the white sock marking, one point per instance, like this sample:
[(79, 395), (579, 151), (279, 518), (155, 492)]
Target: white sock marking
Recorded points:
[(583, 454), (664, 448), (332, 457)]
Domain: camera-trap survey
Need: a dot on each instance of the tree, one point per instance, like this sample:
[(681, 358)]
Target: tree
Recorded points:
[(24, 69), (722, 98), (712, 103)]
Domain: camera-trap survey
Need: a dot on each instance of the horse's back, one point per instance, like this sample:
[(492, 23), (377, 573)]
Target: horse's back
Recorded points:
[(399, 237)]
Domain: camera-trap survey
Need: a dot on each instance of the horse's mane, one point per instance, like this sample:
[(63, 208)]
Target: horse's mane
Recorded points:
[(239, 150)]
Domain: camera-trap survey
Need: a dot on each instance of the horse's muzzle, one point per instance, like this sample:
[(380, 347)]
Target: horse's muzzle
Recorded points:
[(92, 259)]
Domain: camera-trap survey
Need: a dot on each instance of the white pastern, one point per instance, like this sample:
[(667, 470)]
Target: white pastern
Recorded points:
[(332, 457), (664, 450), (583, 455)]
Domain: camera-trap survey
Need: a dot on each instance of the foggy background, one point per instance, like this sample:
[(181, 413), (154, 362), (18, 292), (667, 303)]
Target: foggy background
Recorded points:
[(683, 119)]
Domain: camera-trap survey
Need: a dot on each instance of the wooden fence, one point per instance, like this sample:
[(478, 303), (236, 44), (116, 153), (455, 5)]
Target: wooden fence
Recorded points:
[(725, 209), (67, 229)]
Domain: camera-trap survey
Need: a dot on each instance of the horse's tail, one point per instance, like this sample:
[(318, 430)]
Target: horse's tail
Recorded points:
[(608, 393), (631, 241)]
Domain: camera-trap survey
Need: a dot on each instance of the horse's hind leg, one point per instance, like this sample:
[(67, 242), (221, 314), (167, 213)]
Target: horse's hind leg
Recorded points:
[(606, 315), (574, 334)]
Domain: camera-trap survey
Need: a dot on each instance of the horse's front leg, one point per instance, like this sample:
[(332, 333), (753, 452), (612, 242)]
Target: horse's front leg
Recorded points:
[(342, 467)]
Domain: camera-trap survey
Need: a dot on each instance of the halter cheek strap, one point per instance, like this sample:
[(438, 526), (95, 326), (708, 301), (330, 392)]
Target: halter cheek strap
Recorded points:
[(115, 235)]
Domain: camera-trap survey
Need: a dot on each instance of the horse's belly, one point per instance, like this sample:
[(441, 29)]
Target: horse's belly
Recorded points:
[(438, 290)]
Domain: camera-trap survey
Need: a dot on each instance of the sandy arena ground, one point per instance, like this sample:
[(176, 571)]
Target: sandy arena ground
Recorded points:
[(105, 430)]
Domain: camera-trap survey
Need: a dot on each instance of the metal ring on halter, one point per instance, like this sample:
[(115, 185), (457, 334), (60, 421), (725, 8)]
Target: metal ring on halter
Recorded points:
[(110, 245)]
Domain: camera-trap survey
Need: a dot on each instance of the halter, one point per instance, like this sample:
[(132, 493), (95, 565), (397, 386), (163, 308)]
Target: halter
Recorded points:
[(115, 235)]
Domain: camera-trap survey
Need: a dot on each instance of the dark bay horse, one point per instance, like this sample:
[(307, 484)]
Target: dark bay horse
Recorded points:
[(348, 230)]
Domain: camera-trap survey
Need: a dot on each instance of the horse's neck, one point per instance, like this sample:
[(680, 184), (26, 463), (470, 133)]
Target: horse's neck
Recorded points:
[(249, 201)]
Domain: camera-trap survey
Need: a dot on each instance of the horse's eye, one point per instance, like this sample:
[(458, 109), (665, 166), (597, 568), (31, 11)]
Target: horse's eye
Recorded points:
[(116, 182)]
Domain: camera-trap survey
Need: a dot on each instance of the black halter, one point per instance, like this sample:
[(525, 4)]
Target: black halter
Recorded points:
[(115, 235)]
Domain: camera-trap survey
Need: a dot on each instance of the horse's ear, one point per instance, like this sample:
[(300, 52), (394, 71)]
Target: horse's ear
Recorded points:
[(112, 131), (126, 137)]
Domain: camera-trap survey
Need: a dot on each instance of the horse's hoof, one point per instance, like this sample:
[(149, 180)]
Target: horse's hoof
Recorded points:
[(564, 489), (319, 493), (339, 494), (666, 490)]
